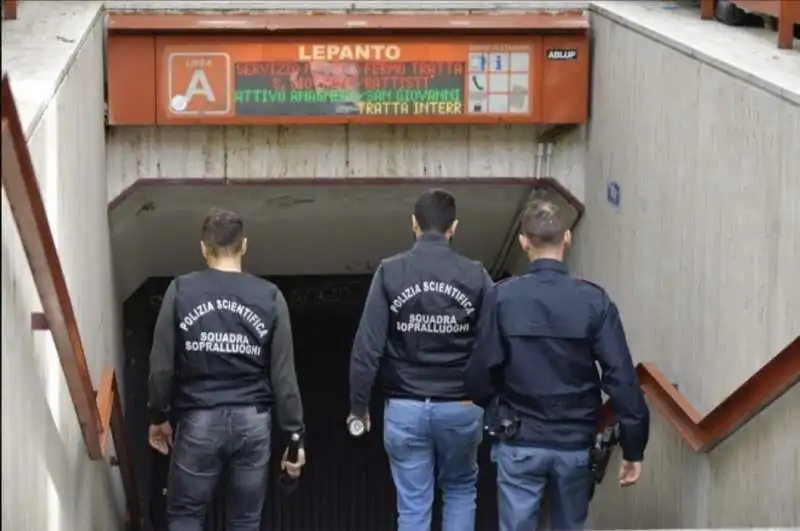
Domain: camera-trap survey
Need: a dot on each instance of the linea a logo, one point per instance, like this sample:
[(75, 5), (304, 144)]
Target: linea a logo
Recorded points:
[(562, 54), (198, 83)]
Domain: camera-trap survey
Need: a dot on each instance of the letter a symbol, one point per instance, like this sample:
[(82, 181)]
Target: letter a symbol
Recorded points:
[(199, 85)]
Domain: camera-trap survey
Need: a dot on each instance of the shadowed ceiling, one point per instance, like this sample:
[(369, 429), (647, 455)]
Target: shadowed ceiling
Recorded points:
[(302, 229)]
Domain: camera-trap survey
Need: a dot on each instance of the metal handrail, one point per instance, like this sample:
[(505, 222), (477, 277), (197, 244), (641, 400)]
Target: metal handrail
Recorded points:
[(704, 433), (98, 413)]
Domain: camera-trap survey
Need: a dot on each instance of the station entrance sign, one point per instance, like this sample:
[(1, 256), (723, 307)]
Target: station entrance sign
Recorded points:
[(361, 79)]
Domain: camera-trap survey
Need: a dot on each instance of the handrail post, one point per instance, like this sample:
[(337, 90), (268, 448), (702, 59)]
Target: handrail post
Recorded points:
[(9, 9), (113, 423), (119, 430), (707, 9), (789, 16)]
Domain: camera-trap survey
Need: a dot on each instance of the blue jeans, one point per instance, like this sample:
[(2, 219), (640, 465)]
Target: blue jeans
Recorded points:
[(206, 442), (522, 475), (420, 436)]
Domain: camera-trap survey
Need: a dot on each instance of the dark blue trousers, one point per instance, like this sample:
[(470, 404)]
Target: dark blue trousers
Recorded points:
[(208, 441), (523, 473)]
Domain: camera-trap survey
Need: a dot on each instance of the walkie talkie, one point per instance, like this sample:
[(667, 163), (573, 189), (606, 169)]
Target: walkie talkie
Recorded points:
[(288, 483)]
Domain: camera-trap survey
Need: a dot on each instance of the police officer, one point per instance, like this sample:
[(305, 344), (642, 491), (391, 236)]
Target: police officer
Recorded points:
[(541, 335), (417, 330), (222, 356)]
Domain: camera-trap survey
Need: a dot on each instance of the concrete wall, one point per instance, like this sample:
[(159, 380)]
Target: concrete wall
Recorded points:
[(249, 153), (336, 151), (701, 256), (48, 483)]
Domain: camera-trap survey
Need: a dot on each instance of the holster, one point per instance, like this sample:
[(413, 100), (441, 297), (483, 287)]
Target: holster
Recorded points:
[(600, 454), (501, 422)]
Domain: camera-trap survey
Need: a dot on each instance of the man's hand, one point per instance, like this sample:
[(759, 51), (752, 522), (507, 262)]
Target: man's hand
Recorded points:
[(160, 437), (629, 473), (293, 470), (365, 420)]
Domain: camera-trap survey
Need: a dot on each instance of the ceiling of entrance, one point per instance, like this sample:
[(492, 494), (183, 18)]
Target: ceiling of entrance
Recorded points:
[(298, 229)]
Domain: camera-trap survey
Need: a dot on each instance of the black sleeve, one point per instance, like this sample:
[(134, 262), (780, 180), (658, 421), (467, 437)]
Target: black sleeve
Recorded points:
[(368, 346), (484, 372), (622, 385), (282, 372), (162, 359)]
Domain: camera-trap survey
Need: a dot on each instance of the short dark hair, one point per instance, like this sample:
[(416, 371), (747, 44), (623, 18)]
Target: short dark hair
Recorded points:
[(222, 232), (542, 225), (435, 210)]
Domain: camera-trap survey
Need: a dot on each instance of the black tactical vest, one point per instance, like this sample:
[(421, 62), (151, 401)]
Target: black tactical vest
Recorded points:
[(434, 298), (224, 322)]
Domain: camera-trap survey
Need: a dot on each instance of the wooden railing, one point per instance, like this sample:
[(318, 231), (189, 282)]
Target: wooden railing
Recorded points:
[(786, 11), (98, 413), (704, 433)]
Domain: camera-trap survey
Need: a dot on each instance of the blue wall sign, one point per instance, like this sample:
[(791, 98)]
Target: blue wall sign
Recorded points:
[(613, 193)]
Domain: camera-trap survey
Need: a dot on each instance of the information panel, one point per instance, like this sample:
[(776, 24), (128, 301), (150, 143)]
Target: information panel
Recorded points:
[(349, 79), (325, 87)]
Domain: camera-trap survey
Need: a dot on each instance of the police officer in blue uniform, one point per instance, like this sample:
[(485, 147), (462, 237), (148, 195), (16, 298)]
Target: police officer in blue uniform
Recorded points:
[(534, 367), (222, 357), (417, 331)]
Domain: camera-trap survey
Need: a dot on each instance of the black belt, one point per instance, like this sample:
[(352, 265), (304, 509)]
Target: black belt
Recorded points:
[(427, 398)]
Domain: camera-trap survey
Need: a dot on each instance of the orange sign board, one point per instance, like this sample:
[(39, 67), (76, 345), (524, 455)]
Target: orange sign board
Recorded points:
[(339, 79)]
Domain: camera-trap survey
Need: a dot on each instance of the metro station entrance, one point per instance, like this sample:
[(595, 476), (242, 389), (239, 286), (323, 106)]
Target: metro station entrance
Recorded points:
[(331, 70), (346, 485)]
